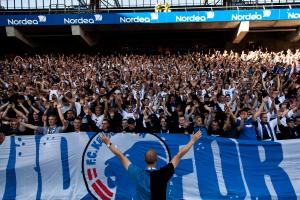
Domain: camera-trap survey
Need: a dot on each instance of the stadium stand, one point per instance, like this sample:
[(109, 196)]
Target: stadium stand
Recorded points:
[(223, 93)]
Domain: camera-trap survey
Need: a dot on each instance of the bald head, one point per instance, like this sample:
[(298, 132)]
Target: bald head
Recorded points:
[(150, 157)]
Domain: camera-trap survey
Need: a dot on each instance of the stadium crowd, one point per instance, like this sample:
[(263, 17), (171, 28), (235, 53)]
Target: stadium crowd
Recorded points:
[(249, 95)]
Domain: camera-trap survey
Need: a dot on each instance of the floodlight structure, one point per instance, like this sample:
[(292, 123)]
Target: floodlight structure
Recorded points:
[(97, 4)]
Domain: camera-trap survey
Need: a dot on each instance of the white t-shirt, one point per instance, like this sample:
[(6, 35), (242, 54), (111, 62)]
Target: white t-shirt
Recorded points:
[(229, 92), (127, 115), (66, 108), (98, 120), (78, 108), (53, 92)]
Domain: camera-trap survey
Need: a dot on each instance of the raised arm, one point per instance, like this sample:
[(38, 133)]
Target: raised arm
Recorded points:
[(3, 106), (29, 126), (25, 109), (5, 112), (19, 113), (61, 117), (105, 107), (32, 107), (243, 118), (279, 117), (138, 102), (261, 108), (175, 161), (124, 160)]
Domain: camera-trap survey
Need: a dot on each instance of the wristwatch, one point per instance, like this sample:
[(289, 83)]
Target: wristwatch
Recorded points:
[(108, 145)]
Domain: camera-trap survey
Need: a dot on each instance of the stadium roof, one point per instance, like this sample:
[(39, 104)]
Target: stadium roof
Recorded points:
[(112, 4)]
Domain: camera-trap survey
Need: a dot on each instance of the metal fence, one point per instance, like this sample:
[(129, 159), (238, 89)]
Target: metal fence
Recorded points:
[(133, 5)]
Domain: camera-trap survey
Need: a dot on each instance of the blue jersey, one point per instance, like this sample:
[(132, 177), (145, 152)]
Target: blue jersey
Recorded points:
[(248, 132), (142, 182)]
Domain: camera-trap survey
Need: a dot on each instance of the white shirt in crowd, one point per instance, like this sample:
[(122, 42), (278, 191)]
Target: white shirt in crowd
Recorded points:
[(98, 120), (270, 129), (127, 115), (229, 92)]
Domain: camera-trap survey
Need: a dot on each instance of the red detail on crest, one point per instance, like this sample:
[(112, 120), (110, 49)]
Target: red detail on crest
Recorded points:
[(95, 172), (104, 188), (89, 174), (99, 192)]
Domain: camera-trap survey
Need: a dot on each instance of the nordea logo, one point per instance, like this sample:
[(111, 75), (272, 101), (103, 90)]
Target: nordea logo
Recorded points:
[(193, 18), (25, 21), (137, 19), (293, 15)]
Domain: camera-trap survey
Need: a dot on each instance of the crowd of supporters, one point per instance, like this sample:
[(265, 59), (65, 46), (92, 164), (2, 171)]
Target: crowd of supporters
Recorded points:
[(253, 95)]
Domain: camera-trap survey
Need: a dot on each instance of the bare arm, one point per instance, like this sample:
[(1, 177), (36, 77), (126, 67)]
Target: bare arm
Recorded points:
[(124, 160), (279, 116), (243, 118), (272, 106), (229, 111), (33, 108), (3, 106), (278, 83), (207, 108), (61, 116), (47, 107), (6, 110), (43, 89), (165, 108), (19, 113), (254, 102), (25, 109), (29, 126), (138, 103), (264, 85), (175, 161), (105, 107), (261, 108)]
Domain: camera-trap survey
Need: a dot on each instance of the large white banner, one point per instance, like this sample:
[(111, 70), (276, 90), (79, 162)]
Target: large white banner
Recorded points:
[(79, 166)]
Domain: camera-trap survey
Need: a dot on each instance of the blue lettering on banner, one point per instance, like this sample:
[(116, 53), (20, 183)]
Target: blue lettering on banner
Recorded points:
[(37, 166), (65, 163), (11, 179), (97, 143), (206, 151), (267, 164)]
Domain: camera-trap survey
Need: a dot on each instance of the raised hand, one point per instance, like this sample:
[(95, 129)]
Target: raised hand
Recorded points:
[(196, 136), (243, 115), (104, 139)]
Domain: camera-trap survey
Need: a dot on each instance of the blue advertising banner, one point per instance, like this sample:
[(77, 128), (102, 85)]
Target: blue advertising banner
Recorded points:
[(150, 18), (79, 166)]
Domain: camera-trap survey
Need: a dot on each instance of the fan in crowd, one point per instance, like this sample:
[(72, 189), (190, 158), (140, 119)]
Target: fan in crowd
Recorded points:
[(252, 96)]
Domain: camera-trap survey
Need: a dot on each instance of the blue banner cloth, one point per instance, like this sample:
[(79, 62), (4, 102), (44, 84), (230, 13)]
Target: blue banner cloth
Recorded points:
[(80, 166)]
